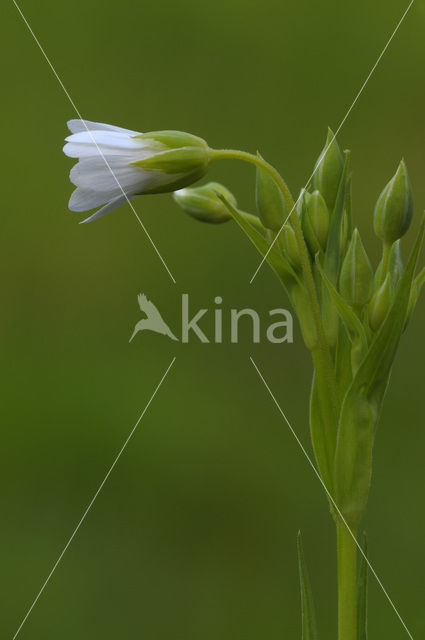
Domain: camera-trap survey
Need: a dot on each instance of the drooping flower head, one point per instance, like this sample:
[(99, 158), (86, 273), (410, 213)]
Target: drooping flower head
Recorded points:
[(116, 165)]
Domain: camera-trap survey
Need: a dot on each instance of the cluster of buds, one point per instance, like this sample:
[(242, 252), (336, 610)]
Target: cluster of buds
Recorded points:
[(362, 311), (351, 317)]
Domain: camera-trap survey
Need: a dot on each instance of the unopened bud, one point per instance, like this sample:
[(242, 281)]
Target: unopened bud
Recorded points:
[(328, 171), (302, 202), (289, 245), (203, 202), (270, 201), (318, 217), (356, 273), (394, 208), (380, 304)]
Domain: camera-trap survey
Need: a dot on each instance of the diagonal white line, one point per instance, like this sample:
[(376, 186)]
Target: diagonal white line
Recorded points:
[(372, 570), (93, 140), (336, 133), (121, 451)]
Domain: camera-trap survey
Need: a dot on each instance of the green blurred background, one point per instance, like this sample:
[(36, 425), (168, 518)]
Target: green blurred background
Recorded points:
[(194, 534)]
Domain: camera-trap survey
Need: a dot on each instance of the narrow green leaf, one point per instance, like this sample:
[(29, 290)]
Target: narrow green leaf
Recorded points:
[(343, 369), (348, 201), (309, 627), (318, 428), (277, 261), (362, 593), (332, 258), (362, 404), (418, 283), (420, 280), (333, 248), (346, 313)]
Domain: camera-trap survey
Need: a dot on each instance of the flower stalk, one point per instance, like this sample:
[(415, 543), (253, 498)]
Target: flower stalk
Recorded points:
[(347, 582)]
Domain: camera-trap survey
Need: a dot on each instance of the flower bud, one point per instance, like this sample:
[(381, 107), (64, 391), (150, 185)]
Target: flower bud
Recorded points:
[(302, 202), (380, 304), (270, 201), (394, 208), (203, 203), (175, 159), (356, 277), (116, 165), (328, 171), (289, 245), (318, 217)]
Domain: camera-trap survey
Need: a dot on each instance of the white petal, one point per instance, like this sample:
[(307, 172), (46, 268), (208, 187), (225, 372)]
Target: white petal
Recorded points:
[(113, 204), (106, 174), (85, 199), (75, 126), (93, 143)]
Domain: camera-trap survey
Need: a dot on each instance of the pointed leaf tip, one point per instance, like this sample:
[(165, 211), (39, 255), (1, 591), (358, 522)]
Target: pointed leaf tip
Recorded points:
[(309, 627)]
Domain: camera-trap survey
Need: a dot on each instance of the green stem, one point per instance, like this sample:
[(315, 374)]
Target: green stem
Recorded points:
[(347, 583), (218, 154), (235, 154), (385, 259)]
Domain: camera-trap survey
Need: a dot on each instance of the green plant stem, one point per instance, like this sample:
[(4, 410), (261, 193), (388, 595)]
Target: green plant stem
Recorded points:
[(347, 583), (235, 154), (385, 259), (325, 356)]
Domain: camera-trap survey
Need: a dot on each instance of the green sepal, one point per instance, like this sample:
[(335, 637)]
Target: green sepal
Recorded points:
[(362, 404), (170, 139), (276, 260), (176, 161), (308, 613), (362, 592), (328, 169)]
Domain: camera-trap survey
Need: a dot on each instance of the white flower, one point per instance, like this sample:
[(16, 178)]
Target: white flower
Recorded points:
[(116, 165)]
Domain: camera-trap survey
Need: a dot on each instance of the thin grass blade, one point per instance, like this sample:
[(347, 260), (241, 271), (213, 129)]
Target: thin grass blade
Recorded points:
[(309, 626)]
